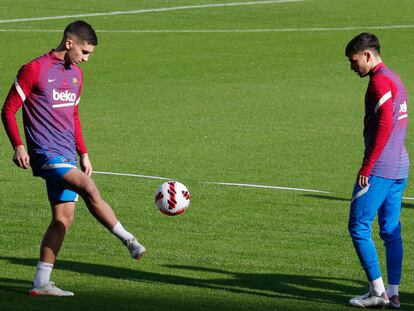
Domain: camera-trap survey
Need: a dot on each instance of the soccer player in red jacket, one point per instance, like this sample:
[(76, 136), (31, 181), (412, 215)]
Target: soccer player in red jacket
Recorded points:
[(49, 91), (383, 176)]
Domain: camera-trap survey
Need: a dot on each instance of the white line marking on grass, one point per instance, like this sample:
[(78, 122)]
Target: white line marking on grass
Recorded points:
[(214, 183), (276, 30), (270, 30), (185, 7), (316, 29), (30, 30), (225, 183), (263, 186), (131, 175)]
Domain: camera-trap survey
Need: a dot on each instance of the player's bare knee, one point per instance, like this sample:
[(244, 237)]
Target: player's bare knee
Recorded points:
[(68, 222), (63, 221), (90, 192)]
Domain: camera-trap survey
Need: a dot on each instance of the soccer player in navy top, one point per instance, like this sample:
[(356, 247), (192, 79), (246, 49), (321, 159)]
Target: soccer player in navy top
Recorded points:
[(383, 175), (49, 91)]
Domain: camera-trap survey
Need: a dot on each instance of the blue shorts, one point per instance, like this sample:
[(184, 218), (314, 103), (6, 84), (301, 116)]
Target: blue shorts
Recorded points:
[(53, 171)]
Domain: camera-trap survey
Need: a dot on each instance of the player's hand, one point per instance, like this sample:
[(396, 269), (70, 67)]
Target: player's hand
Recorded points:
[(85, 164), (362, 180), (21, 157)]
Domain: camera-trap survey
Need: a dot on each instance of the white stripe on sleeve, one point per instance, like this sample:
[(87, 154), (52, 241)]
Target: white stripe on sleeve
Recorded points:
[(19, 90), (383, 99)]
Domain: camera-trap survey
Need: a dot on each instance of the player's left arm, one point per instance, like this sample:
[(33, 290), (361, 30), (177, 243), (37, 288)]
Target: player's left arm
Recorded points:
[(81, 148), (86, 164), (382, 94)]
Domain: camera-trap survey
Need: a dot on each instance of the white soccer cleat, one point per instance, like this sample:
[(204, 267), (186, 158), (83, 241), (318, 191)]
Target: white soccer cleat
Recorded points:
[(370, 300), (135, 248), (49, 289)]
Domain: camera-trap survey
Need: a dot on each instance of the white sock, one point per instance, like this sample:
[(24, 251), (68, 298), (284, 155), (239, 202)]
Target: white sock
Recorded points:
[(119, 231), (43, 271), (392, 290), (377, 286)]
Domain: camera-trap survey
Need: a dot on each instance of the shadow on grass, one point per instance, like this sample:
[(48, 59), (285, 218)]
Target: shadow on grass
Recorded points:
[(347, 200), (301, 288), (14, 286), (267, 285)]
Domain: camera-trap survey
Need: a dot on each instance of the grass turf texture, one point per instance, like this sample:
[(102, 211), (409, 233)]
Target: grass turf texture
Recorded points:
[(266, 108)]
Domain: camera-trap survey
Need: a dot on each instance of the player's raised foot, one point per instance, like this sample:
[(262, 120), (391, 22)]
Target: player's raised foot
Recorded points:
[(49, 289), (370, 300), (135, 248), (394, 302)]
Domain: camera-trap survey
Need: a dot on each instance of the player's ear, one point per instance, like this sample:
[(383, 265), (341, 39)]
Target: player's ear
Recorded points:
[(68, 43), (367, 55)]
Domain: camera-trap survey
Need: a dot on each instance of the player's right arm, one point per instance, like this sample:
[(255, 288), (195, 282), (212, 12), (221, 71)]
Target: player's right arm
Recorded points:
[(20, 90), (382, 95)]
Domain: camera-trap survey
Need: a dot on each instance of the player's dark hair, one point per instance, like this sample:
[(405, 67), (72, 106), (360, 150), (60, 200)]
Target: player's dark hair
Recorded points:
[(83, 31), (364, 41)]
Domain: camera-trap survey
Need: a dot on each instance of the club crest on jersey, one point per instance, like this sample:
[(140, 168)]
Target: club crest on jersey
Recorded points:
[(403, 107), (75, 81)]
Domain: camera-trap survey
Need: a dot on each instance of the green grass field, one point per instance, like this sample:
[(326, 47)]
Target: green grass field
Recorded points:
[(178, 94)]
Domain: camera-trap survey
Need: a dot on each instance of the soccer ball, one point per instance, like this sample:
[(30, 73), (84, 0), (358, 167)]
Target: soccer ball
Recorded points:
[(172, 198)]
